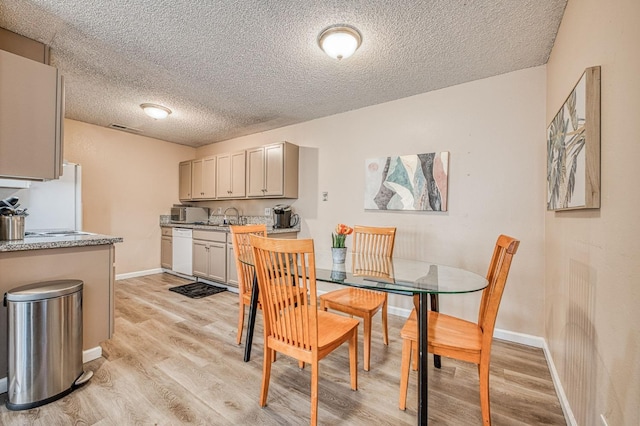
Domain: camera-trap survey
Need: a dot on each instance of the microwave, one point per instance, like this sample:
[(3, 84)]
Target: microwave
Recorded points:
[(184, 214)]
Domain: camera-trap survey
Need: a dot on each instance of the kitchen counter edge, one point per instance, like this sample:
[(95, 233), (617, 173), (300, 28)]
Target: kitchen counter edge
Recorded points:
[(216, 228), (40, 243)]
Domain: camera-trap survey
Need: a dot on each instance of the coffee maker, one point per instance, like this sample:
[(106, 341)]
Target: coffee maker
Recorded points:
[(282, 217)]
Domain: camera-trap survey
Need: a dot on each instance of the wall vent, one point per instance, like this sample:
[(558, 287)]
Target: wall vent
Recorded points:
[(124, 128)]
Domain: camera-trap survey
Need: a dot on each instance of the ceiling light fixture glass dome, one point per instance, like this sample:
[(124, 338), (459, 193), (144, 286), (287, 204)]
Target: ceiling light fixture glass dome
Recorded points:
[(158, 112), (340, 41)]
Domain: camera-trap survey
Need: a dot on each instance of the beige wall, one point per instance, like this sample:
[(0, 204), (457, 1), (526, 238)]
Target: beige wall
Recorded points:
[(495, 132), (592, 308), (128, 181), (493, 129)]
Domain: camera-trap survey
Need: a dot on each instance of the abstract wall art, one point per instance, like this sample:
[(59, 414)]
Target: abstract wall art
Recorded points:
[(573, 148), (407, 182)]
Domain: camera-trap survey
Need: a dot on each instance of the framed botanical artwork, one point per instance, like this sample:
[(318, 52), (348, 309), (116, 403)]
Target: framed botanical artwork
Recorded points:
[(407, 182), (573, 148)]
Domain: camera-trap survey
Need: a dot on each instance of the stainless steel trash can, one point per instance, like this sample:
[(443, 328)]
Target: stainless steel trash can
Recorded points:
[(44, 342)]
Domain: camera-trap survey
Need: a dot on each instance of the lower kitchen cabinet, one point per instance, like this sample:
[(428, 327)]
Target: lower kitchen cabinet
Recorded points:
[(210, 255), (166, 249), (232, 271), (94, 265)]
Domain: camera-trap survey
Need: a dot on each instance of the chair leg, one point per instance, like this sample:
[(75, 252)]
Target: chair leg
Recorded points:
[(435, 307), (266, 375), (407, 348), (240, 323), (385, 330), (414, 359), (483, 370), (367, 343), (314, 392), (353, 359)]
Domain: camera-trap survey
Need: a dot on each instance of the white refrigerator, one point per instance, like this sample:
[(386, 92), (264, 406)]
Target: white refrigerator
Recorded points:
[(54, 205)]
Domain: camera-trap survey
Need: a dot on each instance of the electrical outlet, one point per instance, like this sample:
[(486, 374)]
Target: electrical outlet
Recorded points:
[(325, 196), (219, 210), (267, 211)]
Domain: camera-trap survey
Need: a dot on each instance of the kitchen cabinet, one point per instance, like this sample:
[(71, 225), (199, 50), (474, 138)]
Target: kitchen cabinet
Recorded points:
[(184, 178), (166, 248), (272, 171), (23, 46), (232, 271), (230, 182), (31, 119), (210, 255), (203, 178), (94, 265)]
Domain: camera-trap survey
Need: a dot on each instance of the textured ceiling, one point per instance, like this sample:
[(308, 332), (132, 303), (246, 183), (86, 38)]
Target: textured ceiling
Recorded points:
[(232, 68)]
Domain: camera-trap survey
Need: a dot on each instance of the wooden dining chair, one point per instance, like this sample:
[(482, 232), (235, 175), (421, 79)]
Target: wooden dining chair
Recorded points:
[(299, 330), (464, 340), (242, 247), (362, 303)]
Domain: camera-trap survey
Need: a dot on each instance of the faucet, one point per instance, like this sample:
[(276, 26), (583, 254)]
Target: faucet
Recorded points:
[(237, 215)]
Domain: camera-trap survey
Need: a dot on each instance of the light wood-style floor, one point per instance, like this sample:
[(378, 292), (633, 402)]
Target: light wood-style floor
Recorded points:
[(173, 360)]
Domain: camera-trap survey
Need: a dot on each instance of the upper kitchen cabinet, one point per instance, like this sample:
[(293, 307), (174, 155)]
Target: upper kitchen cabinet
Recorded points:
[(184, 187), (31, 118), (272, 171), (203, 178), (23, 46), (230, 182)]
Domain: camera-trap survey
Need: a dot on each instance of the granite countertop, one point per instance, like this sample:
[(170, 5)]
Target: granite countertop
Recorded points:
[(225, 228), (38, 242)]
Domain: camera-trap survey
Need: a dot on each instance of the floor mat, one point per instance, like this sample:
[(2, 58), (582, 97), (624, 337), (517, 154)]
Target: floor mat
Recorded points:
[(197, 290)]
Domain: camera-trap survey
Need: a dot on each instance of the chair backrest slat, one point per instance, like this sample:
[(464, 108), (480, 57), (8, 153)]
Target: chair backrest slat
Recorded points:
[(242, 248), (374, 240), (372, 266), (497, 275), (286, 269)]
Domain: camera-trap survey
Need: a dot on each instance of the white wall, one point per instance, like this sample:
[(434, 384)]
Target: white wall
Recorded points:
[(592, 310), (494, 130)]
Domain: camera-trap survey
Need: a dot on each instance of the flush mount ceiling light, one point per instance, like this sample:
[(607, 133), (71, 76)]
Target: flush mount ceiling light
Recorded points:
[(339, 41), (155, 111)]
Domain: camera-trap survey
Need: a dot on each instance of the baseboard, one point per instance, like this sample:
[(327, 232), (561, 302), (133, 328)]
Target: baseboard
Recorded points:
[(139, 274), (564, 402), (91, 354), (88, 355), (515, 337)]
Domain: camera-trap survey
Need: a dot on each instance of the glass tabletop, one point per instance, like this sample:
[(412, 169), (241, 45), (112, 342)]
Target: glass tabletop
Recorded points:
[(394, 274)]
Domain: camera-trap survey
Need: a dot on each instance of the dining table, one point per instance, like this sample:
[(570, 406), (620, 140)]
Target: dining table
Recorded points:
[(410, 277)]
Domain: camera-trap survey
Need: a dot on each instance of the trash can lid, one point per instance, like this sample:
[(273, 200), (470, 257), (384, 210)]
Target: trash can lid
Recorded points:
[(44, 290)]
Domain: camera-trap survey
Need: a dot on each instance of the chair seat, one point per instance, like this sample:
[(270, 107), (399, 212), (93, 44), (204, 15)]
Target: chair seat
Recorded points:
[(447, 335), (333, 330), (351, 300), (331, 326)]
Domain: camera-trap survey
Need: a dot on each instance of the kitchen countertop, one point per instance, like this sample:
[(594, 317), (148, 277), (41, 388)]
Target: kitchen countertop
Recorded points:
[(224, 228), (39, 242)]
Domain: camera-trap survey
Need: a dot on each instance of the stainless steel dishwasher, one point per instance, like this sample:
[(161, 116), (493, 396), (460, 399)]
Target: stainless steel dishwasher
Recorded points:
[(44, 342)]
